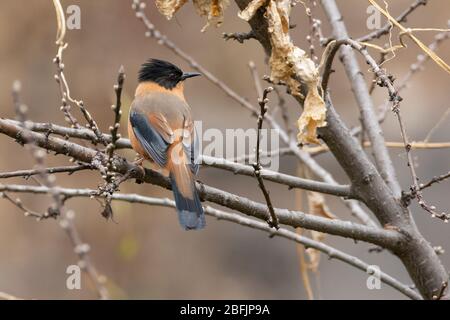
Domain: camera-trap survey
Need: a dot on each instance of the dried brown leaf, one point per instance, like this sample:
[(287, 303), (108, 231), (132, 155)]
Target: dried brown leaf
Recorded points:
[(317, 206), (169, 7), (313, 116), (211, 9), (291, 65)]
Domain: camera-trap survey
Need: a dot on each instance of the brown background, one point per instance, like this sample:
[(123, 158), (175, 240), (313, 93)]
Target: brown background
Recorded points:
[(146, 255)]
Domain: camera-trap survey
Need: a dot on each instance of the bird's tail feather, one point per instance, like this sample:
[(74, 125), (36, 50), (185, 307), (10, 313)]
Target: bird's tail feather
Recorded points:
[(190, 211), (189, 207)]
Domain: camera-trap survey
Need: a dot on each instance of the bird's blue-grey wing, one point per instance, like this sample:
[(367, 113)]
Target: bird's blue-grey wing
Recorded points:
[(149, 137)]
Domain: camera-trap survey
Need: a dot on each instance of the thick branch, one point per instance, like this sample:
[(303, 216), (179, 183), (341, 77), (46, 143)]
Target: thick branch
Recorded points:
[(364, 100)]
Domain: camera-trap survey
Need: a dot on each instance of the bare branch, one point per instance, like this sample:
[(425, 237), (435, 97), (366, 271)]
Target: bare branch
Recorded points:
[(27, 212), (62, 82), (435, 180), (28, 173), (263, 100), (115, 136)]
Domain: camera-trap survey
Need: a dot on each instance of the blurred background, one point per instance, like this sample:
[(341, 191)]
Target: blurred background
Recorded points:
[(146, 254)]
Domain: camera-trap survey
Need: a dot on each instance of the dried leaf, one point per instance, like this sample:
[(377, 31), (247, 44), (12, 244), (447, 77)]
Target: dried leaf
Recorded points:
[(313, 116), (169, 7), (318, 207), (211, 9), (291, 65), (304, 267), (251, 9)]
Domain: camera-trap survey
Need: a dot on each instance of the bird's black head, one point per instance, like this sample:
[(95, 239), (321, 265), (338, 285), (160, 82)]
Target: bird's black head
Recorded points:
[(163, 73)]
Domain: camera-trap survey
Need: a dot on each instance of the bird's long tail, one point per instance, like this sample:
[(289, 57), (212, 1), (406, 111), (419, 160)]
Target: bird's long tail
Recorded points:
[(189, 207)]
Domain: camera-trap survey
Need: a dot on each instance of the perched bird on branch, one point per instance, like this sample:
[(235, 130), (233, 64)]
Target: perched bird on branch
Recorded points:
[(161, 130)]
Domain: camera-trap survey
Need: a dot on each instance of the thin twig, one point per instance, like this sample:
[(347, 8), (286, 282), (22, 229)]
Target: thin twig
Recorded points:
[(114, 129), (112, 182), (435, 180), (412, 194), (272, 220), (414, 69), (62, 82), (27, 212), (28, 173)]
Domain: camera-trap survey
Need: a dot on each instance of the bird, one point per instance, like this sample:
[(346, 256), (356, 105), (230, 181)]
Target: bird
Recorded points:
[(161, 130)]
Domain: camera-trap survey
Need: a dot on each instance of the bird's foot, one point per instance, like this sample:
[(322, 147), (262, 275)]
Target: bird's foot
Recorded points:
[(138, 163)]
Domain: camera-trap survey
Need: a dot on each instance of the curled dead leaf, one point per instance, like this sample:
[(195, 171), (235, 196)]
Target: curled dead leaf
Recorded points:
[(313, 116), (169, 7), (291, 65), (318, 206), (211, 9)]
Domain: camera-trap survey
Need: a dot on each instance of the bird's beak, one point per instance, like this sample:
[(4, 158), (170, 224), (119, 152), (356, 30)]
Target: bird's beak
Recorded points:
[(187, 75)]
